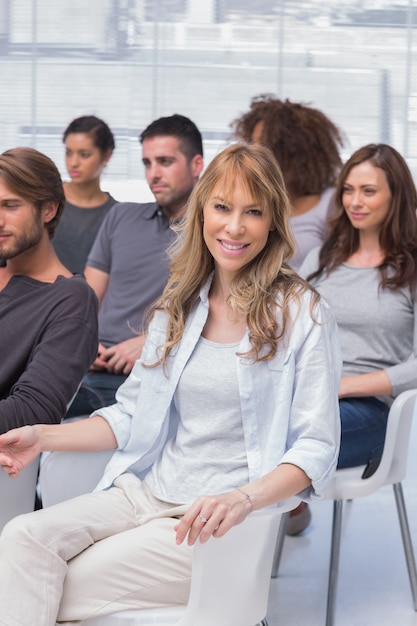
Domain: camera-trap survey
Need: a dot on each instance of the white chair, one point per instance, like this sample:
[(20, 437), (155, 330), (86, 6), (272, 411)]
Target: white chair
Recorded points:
[(348, 484), (229, 584), (17, 495), (231, 575), (65, 475)]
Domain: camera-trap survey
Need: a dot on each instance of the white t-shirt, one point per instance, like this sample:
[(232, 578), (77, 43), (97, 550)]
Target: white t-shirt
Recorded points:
[(207, 454)]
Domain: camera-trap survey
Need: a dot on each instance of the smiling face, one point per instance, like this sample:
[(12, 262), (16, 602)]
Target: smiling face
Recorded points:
[(170, 175), (85, 162), (366, 197), (235, 229)]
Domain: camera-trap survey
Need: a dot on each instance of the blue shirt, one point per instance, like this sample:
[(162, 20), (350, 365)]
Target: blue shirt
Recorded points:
[(289, 404)]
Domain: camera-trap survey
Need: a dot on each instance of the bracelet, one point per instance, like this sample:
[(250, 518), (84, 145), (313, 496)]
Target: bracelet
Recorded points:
[(247, 496)]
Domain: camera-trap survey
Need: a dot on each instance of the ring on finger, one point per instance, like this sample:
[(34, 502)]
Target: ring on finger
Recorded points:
[(203, 519)]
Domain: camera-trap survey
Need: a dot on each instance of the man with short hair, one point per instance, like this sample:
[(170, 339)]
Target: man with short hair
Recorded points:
[(128, 263), (48, 317)]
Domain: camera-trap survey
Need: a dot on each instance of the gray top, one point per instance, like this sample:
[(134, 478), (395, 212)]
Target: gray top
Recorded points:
[(131, 247), (378, 327), (309, 229), (207, 454), (76, 231)]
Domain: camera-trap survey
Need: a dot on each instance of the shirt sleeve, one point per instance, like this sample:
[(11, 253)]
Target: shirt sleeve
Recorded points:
[(310, 263), (100, 256), (314, 431), (121, 414), (404, 375), (60, 356)]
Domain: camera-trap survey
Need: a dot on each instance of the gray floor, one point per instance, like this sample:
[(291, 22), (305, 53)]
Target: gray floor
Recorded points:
[(373, 586)]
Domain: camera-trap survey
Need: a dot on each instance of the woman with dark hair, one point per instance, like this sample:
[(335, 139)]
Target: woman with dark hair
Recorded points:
[(306, 144), (89, 145), (232, 407), (367, 272)]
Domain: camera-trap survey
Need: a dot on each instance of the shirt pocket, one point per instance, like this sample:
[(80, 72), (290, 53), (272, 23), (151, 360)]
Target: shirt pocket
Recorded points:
[(280, 369)]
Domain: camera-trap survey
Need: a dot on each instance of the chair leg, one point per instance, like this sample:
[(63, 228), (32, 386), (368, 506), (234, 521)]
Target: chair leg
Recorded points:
[(280, 543), (334, 561), (408, 546)]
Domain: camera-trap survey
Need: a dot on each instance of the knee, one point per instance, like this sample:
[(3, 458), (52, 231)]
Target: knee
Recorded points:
[(18, 528)]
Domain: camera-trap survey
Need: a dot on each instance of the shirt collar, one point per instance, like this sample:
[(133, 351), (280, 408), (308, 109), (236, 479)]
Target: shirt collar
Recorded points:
[(204, 291), (152, 210)]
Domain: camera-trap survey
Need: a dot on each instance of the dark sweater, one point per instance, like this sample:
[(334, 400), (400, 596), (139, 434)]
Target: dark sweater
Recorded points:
[(49, 339)]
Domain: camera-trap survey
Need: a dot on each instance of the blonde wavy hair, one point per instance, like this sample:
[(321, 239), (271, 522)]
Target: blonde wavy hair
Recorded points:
[(260, 287)]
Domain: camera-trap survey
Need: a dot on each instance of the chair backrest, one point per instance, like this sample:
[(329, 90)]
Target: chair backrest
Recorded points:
[(397, 438), (65, 475), (231, 575), (348, 484), (17, 495)]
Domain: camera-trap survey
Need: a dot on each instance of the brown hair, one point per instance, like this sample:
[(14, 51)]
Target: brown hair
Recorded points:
[(304, 141), (35, 177), (398, 235), (264, 284)]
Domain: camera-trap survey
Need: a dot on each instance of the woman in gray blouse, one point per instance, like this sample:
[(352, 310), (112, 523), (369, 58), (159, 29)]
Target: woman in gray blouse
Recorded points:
[(366, 270)]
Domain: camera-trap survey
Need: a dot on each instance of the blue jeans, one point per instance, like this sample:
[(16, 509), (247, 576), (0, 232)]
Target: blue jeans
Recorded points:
[(363, 422), (97, 389)]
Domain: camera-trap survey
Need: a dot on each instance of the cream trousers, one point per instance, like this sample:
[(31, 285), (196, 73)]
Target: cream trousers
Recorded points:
[(96, 554)]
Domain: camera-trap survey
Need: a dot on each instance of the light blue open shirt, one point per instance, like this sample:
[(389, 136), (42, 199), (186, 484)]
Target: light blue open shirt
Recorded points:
[(289, 404)]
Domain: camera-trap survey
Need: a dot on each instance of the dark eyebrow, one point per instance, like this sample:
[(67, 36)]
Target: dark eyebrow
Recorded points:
[(159, 159), (364, 186)]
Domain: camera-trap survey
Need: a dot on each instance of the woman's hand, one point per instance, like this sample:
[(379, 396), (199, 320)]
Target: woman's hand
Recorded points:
[(18, 447), (212, 515)]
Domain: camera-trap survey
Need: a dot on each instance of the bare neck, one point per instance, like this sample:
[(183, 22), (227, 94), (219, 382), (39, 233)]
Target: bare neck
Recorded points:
[(86, 195), (369, 252), (223, 325), (303, 204)]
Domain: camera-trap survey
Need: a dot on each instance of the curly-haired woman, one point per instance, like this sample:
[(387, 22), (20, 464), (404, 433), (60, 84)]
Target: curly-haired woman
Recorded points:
[(306, 144)]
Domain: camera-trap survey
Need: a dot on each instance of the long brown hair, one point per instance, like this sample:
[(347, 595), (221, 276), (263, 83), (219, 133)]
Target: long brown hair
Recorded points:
[(398, 235), (264, 284)]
